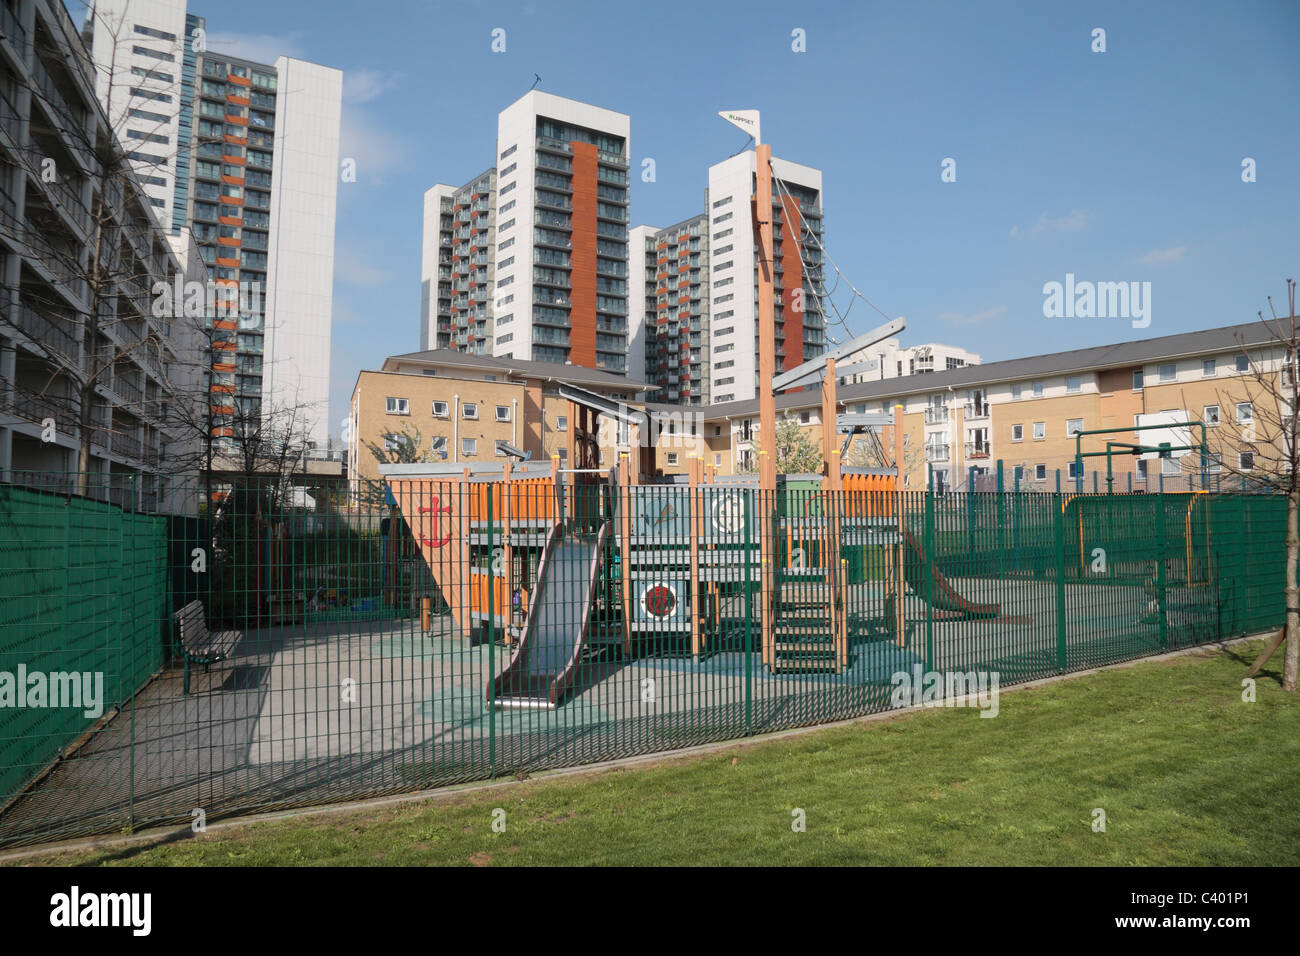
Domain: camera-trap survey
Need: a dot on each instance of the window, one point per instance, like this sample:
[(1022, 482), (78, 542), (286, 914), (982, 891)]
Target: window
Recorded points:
[(1168, 372), (1216, 463), (1017, 432), (1073, 470), (717, 460), (1038, 389), (469, 446), (562, 423), (1018, 473), (672, 458), (1207, 367), (1137, 380), (1246, 461), (1171, 466), (1245, 413), (440, 410), (805, 418), (1015, 392), (1073, 384), (1141, 469), (155, 54), (1040, 472), (398, 406), (1040, 431), (503, 413), (1243, 363), (1073, 425), (1211, 415), (469, 410), (438, 445)]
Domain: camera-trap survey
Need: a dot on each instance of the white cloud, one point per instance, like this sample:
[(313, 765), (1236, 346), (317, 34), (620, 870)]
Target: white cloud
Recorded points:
[(377, 148), (960, 318), (259, 47), (362, 86), (1073, 221), (350, 266), (1158, 256)]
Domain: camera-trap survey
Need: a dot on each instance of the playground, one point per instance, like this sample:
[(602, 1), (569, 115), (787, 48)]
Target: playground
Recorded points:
[(266, 645)]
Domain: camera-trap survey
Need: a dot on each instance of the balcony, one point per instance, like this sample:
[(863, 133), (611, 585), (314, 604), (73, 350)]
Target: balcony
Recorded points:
[(977, 449), (48, 331), (554, 145), (32, 406), (936, 414), (935, 451), (976, 410)]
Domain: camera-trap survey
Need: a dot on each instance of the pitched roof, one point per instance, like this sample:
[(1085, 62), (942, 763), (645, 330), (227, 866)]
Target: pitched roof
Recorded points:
[(1099, 357), (575, 374)]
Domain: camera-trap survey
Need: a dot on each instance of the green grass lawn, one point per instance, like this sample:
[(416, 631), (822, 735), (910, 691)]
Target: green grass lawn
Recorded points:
[(1186, 772)]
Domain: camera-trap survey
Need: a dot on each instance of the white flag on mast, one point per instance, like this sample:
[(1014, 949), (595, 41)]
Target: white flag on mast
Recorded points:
[(746, 120)]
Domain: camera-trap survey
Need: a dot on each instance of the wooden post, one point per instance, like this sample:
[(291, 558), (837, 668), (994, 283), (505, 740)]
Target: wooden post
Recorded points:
[(762, 224), (625, 481)]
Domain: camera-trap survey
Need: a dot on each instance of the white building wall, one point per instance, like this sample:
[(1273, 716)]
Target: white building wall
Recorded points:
[(430, 249), (731, 184), (517, 128), (638, 322), (300, 264), (114, 39)]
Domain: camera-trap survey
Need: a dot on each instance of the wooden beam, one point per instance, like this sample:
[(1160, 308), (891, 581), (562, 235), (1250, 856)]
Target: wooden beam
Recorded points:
[(762, 223)]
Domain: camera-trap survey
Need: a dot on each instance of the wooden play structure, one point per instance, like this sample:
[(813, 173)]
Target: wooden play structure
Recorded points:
[(577, 557)]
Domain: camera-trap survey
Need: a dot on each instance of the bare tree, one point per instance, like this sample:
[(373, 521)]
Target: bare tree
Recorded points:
[(1257, 443)]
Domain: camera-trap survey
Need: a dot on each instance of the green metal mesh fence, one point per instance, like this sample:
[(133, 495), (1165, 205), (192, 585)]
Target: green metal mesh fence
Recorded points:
[(396, 637)]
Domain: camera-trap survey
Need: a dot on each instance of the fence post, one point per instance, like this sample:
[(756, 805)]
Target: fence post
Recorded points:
[(1002, 535), (751, 514), (1058, 523), (926, 567), (1161, 583), (491, 636)]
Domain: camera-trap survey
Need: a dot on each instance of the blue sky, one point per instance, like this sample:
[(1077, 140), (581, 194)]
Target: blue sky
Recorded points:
[(1115, 166)]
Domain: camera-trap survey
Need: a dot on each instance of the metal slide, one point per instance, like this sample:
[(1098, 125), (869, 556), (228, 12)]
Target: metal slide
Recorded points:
[(945, 597), (545, 662)]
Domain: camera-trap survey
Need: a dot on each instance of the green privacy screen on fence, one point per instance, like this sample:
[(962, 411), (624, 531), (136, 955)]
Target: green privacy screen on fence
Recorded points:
[(82, 592), (390, 639)]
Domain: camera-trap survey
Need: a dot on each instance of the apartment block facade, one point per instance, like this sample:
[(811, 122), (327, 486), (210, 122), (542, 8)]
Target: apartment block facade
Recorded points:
[(1025, 412), (796, 203), (461, 407), (244, 155), (549, 237), (457, 276), (69, 382)]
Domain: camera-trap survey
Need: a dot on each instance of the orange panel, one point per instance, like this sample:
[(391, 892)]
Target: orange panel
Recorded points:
[(232, 180), (582, 331), (236, 120), (239, 80), (237, 100), (228, 241), (233, 160), (793, 264), (230, 221)]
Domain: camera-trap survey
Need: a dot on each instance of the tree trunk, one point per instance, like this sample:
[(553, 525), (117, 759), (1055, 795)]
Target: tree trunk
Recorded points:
[(1292, 592)]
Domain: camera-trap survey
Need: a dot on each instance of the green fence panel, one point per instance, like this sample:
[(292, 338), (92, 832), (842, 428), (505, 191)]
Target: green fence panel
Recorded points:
[(387, 638)]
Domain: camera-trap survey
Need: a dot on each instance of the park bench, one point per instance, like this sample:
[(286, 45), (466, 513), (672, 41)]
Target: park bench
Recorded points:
[(198, 644)]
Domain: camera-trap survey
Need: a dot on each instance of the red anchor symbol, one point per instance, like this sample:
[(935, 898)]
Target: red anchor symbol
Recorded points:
[(435, 511)]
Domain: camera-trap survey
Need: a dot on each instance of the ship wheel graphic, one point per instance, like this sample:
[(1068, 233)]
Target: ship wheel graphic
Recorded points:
[(659, 600), (728, 514)]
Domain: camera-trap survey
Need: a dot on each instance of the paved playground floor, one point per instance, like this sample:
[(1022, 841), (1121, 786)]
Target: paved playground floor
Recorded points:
[(309, 714)]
